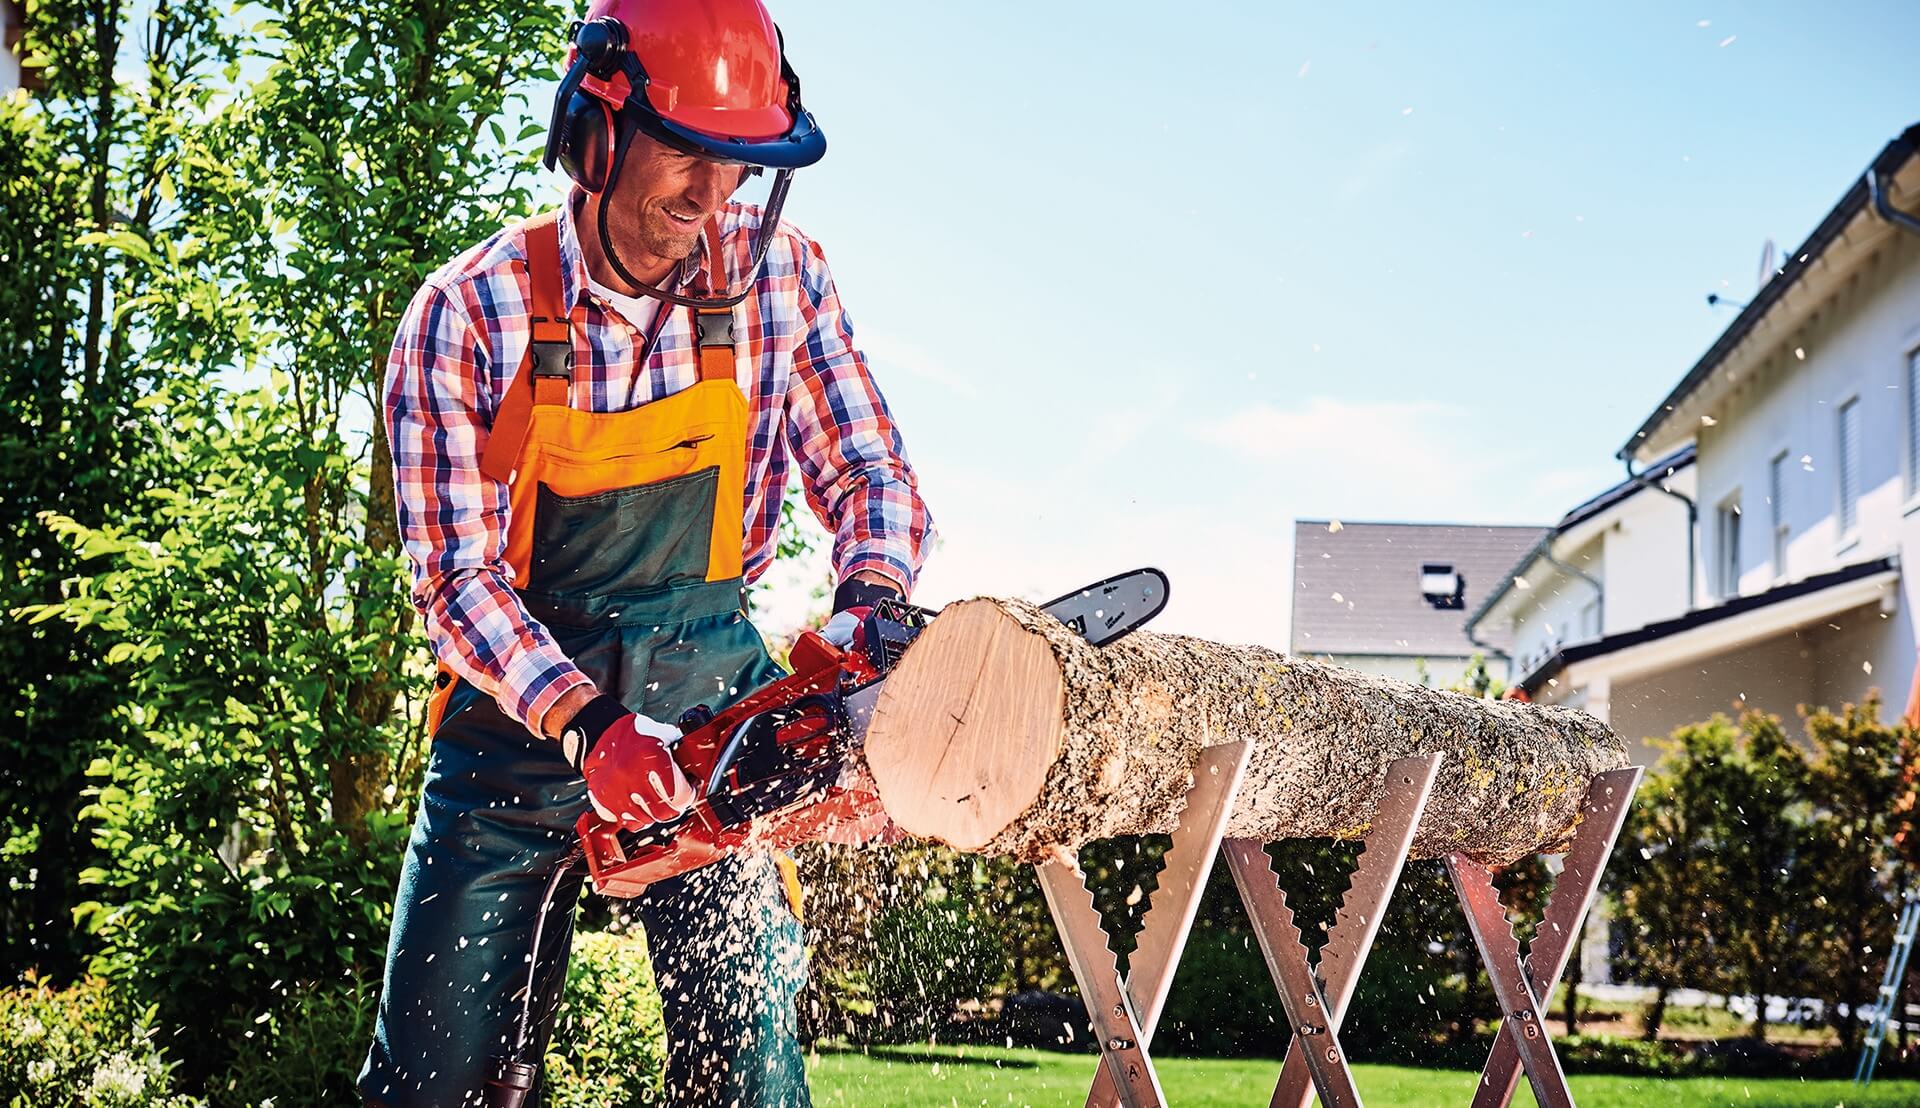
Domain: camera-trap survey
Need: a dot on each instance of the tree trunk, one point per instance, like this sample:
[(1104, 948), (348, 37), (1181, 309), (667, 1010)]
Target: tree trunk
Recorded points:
[(1576, 973), (1656, 1014), (1855, 983), (358, 776), (1003, 732)]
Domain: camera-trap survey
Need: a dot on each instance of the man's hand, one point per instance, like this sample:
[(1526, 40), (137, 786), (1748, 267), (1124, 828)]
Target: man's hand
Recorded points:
[(631, 776), (840, 629), (855, 597)]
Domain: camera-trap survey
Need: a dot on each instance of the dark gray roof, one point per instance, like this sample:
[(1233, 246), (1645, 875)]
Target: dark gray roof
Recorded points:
[(1375, 567)]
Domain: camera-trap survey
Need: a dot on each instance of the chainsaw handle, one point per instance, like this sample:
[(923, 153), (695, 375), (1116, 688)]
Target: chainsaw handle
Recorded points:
[(816, 669)]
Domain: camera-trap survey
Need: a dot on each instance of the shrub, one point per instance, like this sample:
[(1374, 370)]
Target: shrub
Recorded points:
[(609, 1045), (1633, 1057), (930, 956), (1222, 1002), (608, 1048), (1414, 995), (303, 1052), (80, 1047)]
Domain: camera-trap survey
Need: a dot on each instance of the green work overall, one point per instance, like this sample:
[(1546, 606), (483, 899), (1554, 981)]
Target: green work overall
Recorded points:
[(625, 538)]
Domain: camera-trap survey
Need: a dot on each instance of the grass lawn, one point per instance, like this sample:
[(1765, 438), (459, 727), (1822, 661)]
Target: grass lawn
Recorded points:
[(892, 1077)]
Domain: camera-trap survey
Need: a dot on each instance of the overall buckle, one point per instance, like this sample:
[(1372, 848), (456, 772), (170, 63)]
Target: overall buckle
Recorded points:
[(714, 328), (553, 359)]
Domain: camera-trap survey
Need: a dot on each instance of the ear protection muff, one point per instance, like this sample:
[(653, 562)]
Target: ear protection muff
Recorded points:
[(583, 137), (586, 140)]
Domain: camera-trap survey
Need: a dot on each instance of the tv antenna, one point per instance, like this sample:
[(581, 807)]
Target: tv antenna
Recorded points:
[(1767, 259)]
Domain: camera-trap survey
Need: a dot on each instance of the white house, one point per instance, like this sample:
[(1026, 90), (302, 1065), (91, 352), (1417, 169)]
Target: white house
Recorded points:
[(1610, 565), (1794, 446)]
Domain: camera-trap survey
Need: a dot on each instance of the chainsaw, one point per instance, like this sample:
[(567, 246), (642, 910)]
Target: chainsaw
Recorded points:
[(780, 767)]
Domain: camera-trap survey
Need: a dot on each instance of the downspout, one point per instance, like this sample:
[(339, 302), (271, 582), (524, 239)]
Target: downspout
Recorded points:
[(1486, 606), (1599, 590), (1693, 519), (1544, 551), (1491, 651), (1885, 207), (1911, 225)]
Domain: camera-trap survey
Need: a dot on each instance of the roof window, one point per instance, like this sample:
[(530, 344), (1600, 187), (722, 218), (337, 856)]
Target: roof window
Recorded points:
[(1441, 586)]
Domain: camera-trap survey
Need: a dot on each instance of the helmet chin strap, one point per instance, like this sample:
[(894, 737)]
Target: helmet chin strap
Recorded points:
[(769, 222)]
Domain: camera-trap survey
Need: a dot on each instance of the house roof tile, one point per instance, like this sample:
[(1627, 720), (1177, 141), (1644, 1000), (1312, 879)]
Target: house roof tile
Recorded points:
[(1356, 590)]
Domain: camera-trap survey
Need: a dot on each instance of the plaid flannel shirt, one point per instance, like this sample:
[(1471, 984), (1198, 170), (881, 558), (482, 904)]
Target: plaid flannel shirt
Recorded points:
[(810, 398)]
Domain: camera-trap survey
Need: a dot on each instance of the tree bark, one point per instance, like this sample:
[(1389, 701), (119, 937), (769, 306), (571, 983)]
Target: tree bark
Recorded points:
[(1656, 1015), (1003, 732)]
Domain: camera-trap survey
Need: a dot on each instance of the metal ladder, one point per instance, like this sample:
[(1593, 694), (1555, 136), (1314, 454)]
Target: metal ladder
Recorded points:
[(1887, 1001)]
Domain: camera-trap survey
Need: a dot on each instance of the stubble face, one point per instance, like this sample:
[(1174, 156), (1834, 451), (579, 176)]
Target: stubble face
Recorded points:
[(662, 198)]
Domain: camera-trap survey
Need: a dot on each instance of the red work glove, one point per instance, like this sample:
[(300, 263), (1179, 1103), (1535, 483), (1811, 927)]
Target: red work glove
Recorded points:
[(844, 627), (852, 601), (631, 776)]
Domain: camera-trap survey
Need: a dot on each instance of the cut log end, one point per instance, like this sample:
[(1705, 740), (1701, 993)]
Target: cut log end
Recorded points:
[(967, 728)]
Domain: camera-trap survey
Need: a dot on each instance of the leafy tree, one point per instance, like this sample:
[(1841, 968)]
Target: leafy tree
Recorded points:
[(384, 128), (259, 210), (222, 864), (1755, 866), (88, 163), (1670, 869), (1853, 782)]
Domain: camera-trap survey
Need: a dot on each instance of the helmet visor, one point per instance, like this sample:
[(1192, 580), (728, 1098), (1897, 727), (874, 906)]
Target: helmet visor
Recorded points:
[(800, 147)]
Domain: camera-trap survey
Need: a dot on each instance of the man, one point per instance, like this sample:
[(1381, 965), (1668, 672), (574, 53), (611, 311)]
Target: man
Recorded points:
[(592, 415)]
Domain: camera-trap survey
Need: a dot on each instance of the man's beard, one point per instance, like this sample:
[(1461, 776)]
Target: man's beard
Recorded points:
[(635, 231), (650, 230)]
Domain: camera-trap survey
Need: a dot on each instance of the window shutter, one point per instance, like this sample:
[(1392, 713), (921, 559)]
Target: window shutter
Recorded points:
[(1913, 422), (1849, 466)]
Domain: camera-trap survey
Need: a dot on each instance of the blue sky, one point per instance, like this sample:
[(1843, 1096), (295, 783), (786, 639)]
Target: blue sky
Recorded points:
[(1144, 283)]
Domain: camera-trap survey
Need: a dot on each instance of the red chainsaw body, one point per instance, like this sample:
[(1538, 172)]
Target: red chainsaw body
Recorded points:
[(702, 836), (770, 772)]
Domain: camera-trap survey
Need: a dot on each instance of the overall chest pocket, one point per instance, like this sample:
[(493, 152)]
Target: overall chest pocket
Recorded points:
[(625, 540)]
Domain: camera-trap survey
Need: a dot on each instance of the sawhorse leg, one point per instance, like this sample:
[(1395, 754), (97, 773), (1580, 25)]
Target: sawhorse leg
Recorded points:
[(1125, 1011), (1315, 1059), (1524, 988)]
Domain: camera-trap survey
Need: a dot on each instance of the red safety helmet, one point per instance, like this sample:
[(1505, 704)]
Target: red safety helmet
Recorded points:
[(709, 77)]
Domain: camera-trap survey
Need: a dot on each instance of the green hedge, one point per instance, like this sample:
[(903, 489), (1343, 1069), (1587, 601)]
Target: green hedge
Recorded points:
[(85, 1047), (609, 1044), (304, 1049)]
